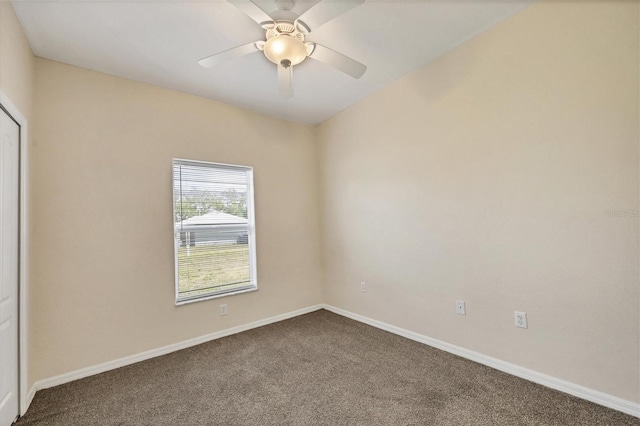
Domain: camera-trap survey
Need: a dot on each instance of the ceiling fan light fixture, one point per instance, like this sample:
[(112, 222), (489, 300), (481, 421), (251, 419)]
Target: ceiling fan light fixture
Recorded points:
[(284, 34), (285, 48)]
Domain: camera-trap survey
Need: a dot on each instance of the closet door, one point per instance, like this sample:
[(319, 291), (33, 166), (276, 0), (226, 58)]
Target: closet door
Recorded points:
[(9, 216)]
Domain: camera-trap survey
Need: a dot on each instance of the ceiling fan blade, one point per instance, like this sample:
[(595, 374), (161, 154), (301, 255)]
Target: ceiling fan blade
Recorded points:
[(325, 10), (252, 10), (285, 81), (234, 52), (339, 61)]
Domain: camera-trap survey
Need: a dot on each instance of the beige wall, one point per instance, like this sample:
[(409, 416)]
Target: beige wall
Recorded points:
[(486, 177), (102, 274), (16, 61)]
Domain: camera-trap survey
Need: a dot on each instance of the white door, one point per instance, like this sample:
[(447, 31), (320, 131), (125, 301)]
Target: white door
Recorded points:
[(9, 208)]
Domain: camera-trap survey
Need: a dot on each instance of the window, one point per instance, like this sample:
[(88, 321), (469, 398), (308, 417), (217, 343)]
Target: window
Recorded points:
[(214, 230)]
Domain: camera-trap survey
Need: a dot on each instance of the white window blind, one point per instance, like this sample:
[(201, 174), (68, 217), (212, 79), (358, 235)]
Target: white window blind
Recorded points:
[(214, 230)]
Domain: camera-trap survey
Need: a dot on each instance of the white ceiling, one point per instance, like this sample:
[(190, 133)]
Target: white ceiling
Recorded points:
[(159, 42)]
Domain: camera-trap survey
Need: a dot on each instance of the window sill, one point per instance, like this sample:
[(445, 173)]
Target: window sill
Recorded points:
[(214, 296)]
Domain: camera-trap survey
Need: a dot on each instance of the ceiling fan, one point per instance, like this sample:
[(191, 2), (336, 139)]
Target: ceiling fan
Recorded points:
[(285, 44)]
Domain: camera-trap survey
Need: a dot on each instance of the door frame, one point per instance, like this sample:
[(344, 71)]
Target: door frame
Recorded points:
[(24, 395)]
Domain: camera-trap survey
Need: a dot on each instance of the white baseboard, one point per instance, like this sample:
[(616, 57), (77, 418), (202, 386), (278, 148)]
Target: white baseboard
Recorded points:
[(132, 359), (579, 391), (29, 397)]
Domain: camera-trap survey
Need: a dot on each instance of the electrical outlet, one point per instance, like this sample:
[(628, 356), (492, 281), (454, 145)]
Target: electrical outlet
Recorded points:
[(223, 309), (460, 308), (521, 319), (363, 286)]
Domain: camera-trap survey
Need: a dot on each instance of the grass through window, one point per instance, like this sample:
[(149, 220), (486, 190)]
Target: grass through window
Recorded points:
[(216, 267)]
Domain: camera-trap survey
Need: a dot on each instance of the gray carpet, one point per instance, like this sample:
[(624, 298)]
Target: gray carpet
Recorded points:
[(316, 369)]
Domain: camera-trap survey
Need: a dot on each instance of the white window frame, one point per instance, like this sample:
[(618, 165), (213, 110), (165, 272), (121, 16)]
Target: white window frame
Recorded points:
[(253, 270)]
